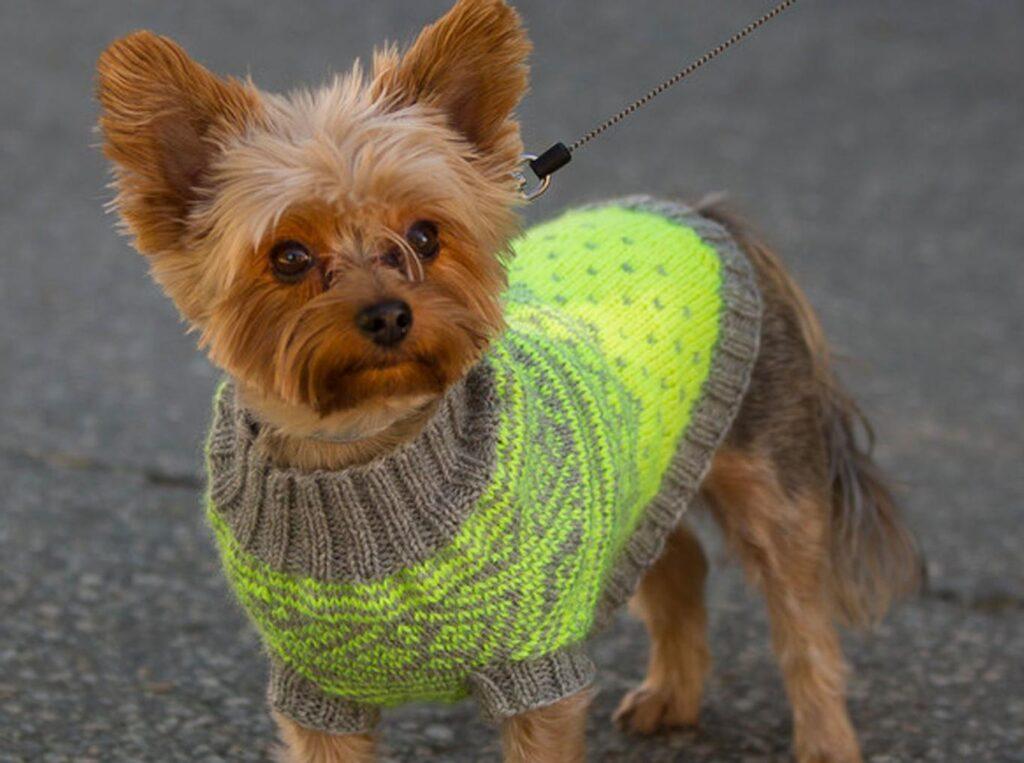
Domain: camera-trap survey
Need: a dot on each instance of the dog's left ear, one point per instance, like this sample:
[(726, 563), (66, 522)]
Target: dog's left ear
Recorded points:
[(472, 64)]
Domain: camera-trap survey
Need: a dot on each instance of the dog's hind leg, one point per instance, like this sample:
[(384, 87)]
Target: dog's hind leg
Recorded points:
[(670, 601), (781, 538)]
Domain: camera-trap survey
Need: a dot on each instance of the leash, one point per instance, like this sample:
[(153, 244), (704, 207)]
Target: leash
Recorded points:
[(559, 155)]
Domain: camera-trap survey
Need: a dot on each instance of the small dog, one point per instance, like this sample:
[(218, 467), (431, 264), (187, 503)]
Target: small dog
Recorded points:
[(342, 254)]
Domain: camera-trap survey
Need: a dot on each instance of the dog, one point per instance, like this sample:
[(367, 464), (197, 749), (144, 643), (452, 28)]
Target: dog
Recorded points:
[(344, 256)]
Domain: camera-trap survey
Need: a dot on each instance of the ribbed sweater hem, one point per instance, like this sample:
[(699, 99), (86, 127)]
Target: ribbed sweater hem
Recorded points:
[(503, 691), (301, 700)]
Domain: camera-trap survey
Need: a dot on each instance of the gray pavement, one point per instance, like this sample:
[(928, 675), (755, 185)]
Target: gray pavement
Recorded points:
[(877, 144)]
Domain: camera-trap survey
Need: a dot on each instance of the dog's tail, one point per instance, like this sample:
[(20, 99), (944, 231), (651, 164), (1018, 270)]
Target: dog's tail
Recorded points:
[(874, 557)]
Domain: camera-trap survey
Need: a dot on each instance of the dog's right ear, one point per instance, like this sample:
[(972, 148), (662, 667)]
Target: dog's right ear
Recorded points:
[(163, 120)]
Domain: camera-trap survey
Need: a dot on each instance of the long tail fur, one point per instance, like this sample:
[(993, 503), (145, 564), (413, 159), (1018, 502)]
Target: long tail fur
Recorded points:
[(874, 557)]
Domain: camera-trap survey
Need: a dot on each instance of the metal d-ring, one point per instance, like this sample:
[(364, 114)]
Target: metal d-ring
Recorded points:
[(530, 194)]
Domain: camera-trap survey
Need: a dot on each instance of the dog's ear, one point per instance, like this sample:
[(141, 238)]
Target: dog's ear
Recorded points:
[(163, 119), (472, 64)]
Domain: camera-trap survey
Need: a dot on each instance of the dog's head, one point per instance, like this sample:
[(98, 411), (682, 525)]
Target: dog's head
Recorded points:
[(332, 247)]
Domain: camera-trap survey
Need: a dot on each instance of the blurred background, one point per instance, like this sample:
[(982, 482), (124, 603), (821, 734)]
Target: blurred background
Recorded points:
[(877, 144)]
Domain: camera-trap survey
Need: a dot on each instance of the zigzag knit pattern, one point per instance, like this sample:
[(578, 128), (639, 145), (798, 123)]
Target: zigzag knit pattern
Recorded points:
[(478, 558)]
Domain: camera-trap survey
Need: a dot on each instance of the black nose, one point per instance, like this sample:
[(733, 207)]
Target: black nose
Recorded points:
[(385, 323)]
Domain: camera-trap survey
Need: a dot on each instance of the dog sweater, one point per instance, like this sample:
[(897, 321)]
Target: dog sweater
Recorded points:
[(478, 558)]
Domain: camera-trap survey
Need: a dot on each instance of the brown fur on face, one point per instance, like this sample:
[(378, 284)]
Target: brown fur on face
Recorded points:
[(212, 173), (300, 342)]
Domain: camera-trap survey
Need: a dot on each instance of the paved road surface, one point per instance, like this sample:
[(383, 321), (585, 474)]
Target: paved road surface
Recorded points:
[(878, 144)]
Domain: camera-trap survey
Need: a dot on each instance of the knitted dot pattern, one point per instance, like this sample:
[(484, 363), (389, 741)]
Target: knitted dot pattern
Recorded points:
[(650, 287), (613, 314)]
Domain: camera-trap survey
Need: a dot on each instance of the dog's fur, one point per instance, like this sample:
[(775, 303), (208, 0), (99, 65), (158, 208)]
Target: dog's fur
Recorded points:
[(211, 173)]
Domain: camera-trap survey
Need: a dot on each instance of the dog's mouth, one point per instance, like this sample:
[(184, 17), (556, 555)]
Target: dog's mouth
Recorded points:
[(394, 360), (361, 383)]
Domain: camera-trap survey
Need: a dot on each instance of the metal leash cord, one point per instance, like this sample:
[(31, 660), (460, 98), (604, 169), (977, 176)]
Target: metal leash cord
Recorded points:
[(559, 155)]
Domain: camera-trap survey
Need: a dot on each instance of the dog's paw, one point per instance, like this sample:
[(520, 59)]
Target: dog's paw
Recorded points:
[(650, 709), (827, 743), (848, 756)]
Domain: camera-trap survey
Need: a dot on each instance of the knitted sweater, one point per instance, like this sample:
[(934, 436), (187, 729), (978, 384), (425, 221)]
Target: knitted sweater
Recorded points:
[(478, 558)]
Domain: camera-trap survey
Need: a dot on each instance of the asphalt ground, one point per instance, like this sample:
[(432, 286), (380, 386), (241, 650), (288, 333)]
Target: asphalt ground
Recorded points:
[(876, 144)]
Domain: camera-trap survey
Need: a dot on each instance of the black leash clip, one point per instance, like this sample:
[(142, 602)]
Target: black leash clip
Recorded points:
[(543, 166)]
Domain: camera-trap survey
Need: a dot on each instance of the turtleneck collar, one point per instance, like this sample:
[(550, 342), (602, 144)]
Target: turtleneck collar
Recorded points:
[(363, 522)]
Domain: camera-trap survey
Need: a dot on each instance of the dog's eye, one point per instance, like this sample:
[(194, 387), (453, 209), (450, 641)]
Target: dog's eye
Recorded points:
[(290, 260), (422, 237)]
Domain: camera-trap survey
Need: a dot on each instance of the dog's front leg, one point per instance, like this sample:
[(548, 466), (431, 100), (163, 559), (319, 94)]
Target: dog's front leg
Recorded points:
[(552, 734), (302, 745)]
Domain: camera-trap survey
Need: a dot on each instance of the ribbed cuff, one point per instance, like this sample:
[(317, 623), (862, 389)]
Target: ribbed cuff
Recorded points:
[(304, 702), (513, 688)]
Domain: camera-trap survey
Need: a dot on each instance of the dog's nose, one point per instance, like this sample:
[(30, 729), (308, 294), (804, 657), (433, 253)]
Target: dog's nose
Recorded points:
[(385, 323)]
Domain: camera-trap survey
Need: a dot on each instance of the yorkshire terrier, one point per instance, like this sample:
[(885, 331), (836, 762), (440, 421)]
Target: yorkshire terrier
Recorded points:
[(343, 254)]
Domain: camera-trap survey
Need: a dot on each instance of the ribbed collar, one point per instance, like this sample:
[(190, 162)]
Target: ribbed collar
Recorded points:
[(365, 522)]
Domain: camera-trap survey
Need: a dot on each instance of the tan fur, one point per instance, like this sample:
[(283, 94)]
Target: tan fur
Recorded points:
[(303, 745), (552, 734), (212, 174), (782, 541), (369, 431)]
